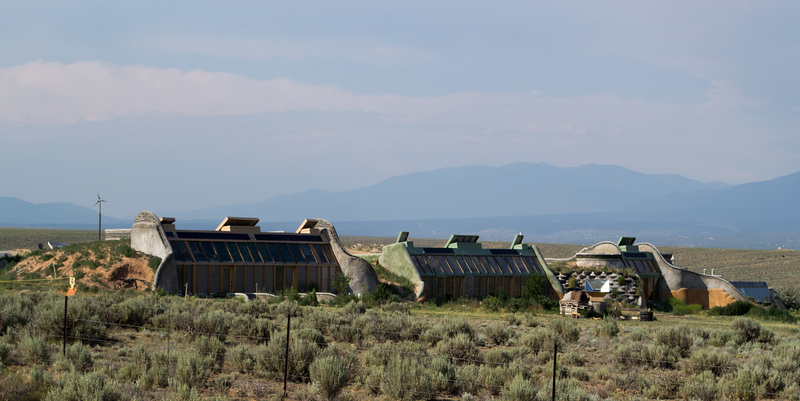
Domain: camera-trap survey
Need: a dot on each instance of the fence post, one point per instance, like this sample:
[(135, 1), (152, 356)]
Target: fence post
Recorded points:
[(64, 348), (555, 362), (286, 360)]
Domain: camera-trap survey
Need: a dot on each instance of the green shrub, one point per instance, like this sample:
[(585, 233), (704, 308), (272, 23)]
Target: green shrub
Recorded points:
[(211, 323), (676, 338), (519, 389), (497, 333), (75, 386), (736, 308), (80, 356), (406, 379), (443, 374), (701, 386), (192, 369), (609, 328), (251, 329), (540, 340), (184, 392), (714, 361), (380, 354), (491, 378), (747, 331), (211, 347), (459, 350), (680, 308), (329, 374), (467, 378), (566, 330), (33, 349), (790, 295), (301, 354), (497, 357)]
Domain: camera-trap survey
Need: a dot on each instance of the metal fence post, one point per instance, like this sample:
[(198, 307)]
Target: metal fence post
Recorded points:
[(286, 360), (555, 362)]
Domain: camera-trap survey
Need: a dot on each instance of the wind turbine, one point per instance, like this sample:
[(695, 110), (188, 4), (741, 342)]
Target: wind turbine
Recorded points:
[(99, 204)]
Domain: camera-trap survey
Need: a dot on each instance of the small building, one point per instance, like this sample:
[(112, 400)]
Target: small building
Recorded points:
[(462, 268), (660, 279), (237, 257)]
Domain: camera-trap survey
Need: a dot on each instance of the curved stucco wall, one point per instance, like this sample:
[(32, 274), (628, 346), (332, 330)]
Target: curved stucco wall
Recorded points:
[(692, 287), (148, 237), (395, 255), (595, 256), (362, 277)]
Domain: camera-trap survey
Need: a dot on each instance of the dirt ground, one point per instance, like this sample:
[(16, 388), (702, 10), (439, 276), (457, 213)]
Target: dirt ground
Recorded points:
[(129, 272)]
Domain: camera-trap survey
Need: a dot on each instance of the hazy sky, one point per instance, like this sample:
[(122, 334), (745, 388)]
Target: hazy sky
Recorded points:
[(193, 104)]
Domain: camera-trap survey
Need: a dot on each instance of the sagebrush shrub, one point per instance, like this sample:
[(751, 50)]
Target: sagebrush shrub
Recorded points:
[(242, 358), (330, 375), (192, 369), (443, 374), (714, 361), (406, 380), (211, 347), (676, 338), (567, 330), (497, 333), (748, 330), (460, 350), (609, 328), (34, 349), (76, 386), (519, 389)]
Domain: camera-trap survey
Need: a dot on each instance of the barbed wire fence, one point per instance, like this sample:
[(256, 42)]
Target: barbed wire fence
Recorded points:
[(356, 378)]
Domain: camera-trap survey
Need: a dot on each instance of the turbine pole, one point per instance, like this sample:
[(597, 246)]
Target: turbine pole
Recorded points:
[(99, 204)]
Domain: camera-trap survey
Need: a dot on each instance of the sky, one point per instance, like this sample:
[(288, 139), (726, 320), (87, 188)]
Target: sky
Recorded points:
[(186, 105)]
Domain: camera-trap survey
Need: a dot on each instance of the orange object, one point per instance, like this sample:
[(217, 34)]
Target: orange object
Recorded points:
[(71, 292)]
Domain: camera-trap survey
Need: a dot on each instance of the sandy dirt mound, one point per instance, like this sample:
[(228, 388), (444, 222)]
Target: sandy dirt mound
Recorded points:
[(127, 272)]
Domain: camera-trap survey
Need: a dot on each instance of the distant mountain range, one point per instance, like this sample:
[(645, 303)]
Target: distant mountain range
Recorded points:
[(582, 204)]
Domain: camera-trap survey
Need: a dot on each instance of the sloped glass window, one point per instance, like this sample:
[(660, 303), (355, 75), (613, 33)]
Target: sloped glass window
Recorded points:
[(321, 253), (254, 252), (211, 253), (276, 254), (298, 255), (197, 250), (244, 251), (234, 251), (307, 254), (454, 265), (262, 249), (222, 252), (286, 253)]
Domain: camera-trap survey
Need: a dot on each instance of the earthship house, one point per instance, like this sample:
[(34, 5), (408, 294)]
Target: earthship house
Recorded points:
[(237, 257), (661, 280), (463, 268)]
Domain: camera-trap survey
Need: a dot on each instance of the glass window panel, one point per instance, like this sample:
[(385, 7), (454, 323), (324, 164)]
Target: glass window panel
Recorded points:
[(512, 264), (422, 266), (199, 255), (298, 255), (254, 252), (454, 265), (434, 264), (286, 253), (443, 264), (502, 263), (494, 264), (244, 251), (321, 254), (466, 264), (213, 279), (527, 263), (211, 253), (234, 250), (485, 263), (262, 249), (475, 261), (276, 255), (309, 256)]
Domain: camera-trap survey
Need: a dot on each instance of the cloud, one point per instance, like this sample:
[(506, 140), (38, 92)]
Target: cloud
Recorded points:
[(359, 50)]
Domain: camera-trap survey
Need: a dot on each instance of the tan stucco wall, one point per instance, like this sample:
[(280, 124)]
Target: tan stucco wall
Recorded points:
[(708, 298)]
